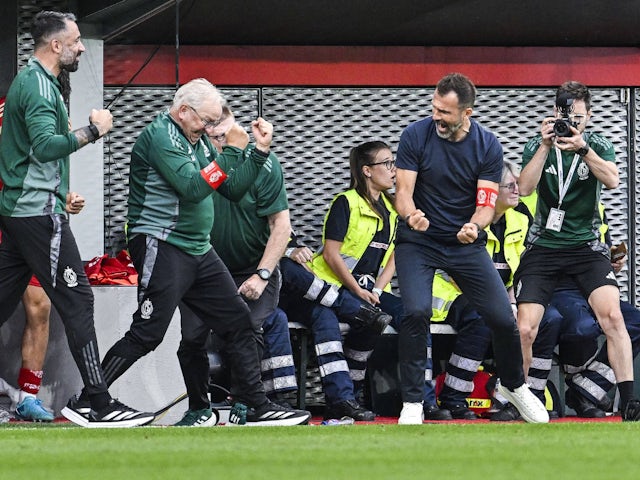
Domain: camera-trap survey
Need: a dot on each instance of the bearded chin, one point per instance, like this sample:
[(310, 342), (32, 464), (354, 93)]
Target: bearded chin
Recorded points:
[(71, 67), (451, 131)]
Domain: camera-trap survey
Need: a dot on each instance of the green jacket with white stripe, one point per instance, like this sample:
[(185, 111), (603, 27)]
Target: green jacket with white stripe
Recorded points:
[(171, 183), (35, 145)]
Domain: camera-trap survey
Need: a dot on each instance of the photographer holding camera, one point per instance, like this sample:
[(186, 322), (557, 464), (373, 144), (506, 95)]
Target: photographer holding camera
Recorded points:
[(569, 168)]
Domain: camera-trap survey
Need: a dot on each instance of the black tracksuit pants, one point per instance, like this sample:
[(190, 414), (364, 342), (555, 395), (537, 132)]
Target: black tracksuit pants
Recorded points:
[(45, 246), (167, 276)]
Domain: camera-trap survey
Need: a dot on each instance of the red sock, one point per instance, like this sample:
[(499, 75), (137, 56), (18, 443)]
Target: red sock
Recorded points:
[(30, 380)]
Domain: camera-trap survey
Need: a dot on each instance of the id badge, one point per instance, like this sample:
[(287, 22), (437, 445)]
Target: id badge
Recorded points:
[(555, 219)]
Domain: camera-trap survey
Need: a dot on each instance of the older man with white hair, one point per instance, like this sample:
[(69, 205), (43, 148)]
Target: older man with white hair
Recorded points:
[(174, 171)]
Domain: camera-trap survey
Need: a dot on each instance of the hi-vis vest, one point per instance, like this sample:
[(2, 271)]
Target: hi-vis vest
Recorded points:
[(364, 223), (445, 292)]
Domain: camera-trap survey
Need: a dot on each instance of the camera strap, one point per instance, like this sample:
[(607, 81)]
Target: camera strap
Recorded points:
[(563, 185)]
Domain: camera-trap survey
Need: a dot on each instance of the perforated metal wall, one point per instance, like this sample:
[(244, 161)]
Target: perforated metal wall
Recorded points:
[(316, 127), (26, 12), (634, 209)]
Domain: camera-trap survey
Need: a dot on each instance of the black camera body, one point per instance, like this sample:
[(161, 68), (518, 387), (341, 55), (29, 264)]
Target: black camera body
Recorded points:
[(562, 126)]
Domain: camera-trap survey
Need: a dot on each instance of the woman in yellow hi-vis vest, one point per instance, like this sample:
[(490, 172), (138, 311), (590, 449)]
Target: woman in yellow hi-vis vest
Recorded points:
[(357, 256)]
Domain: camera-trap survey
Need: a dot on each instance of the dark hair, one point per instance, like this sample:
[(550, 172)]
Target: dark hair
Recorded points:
[(65, 86), (47, 23), (577, 91), (360, 156), (461, 85)]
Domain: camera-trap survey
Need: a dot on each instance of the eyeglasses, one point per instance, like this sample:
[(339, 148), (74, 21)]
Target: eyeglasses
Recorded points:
[(577, 117), (510, 186), (205, 123), (387, 163)]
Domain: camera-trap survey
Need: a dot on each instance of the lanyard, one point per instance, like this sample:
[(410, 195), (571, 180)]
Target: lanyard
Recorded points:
[(563, 185)]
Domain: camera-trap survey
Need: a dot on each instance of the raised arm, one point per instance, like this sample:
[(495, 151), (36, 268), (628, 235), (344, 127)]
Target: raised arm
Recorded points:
[(405, 206), (532, 172)]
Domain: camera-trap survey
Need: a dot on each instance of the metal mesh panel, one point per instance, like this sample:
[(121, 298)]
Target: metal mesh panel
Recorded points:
[(611, 119), (316, 127), (26, 12)]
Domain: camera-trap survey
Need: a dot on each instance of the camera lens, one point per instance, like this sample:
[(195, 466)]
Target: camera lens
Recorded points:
[(561, 128)]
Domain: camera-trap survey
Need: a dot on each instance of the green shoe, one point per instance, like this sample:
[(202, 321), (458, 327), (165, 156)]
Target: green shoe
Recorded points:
[(198, 418)]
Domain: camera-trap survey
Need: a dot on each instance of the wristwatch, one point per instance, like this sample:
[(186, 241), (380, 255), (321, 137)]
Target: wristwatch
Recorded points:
[(264, 273), (583, 151)]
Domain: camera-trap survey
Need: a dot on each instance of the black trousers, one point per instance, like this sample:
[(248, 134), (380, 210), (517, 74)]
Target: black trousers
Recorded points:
[(45, 246), (192, 352), (167, 276), (473, 270)]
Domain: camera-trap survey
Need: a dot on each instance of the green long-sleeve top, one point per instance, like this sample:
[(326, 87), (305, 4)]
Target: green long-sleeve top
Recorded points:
[(35, 145), (169, 198)]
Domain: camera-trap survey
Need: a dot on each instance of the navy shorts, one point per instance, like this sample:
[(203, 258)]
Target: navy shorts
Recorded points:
[(541, 269)]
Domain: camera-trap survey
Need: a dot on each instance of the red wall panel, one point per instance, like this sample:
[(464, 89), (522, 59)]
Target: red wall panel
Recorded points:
[(373, 66)]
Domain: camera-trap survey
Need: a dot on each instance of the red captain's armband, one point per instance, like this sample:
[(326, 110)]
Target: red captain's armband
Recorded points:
[(486, 197), (214, 175)]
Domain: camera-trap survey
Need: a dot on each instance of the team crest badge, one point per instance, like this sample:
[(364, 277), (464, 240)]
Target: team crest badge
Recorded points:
[(215, 176), (146, 309), (70, 277), (583, 171)]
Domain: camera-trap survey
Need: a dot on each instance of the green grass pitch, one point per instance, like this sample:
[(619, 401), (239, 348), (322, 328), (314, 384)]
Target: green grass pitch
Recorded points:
[(459, 451)]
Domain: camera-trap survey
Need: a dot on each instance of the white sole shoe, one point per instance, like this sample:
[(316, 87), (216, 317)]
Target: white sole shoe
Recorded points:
[(80, 416), (531, 409), (118, 415), (412, 414)]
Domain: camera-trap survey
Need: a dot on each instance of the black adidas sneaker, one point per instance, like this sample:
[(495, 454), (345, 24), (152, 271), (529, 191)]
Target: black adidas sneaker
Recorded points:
[(267, 415), (117, 415), (77, 410)]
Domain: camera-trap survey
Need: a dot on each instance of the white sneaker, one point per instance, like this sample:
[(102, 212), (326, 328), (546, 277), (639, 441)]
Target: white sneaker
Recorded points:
[(531, 409), (412, 414)]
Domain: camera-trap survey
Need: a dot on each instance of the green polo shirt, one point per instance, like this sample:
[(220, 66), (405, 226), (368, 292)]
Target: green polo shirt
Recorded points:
[(241, 229), (582, 218)]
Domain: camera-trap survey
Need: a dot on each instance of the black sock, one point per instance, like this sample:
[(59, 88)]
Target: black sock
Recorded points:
[(626, 393), (99, 400)]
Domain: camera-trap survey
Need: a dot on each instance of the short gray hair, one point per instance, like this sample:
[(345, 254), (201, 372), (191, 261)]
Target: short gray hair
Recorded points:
[(509, 167), (194, 92)]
